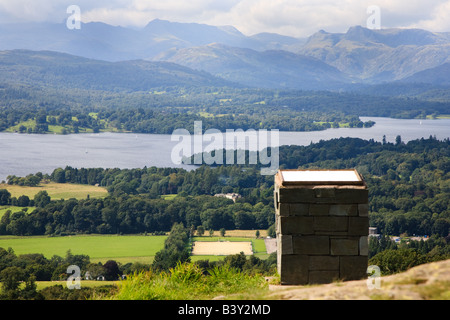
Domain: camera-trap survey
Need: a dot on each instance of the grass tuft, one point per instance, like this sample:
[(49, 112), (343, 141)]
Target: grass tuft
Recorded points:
[(189, 282)]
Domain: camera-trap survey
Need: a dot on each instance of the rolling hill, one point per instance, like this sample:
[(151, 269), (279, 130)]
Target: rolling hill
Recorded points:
[(324, 61), (59, 70), (267, 69)]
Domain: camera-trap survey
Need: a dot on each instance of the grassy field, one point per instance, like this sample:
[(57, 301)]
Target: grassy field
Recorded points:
[(123, 249), (13, 209), (58, 191), (100, 248)]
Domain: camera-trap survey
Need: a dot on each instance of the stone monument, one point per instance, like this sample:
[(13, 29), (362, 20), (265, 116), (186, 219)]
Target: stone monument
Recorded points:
[(322, 226)]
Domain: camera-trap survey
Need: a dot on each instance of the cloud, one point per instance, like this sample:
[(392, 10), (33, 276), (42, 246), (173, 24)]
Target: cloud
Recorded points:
[(298, 18)]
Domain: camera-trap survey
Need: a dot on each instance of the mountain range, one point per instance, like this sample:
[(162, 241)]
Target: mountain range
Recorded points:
[(323, 61)]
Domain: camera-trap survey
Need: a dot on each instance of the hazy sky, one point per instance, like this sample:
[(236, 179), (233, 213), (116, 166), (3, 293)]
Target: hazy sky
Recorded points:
[(298, 18)]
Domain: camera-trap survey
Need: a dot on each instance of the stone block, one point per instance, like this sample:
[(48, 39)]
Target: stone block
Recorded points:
[(311, 245), (297, 195), (295, 225), (323, 277), (283, 209), (284, 244), (343, 210), (308, 195), (331, 224), (323, 263), (319, 209), (353, 267), (364, 246), (293, 269), (299, 209), (344, 247), (323, 192), (363, 210), (358, 226)]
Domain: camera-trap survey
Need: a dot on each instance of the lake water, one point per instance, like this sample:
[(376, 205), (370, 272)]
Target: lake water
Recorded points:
[(22, 154)]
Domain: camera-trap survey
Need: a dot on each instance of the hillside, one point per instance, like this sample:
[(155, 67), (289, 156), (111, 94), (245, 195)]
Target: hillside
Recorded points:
[(267, 69), (101, 41), (376, 56), (59, 70), (322, 61), (425, 282)]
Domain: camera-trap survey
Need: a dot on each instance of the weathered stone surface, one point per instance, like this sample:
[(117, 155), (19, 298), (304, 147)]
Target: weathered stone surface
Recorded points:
[(283, 209), (344, 247), (299, 209), (293, 269), (319, 209), (284, 244), (358, 226), (364, 246), (326, 223), (322, 231), (308, 195), (311, 245), (353, 267), (322, 277), (321, 263), (363, 210), (343, 210), (322, 192), (295, 225)]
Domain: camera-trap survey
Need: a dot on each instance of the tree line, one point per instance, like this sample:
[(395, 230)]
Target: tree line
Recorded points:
[(36, 110)]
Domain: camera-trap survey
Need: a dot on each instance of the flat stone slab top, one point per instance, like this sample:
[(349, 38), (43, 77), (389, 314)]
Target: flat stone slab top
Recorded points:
[(320, 177)]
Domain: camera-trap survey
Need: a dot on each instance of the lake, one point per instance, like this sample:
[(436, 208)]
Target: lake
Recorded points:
[(22, 154)]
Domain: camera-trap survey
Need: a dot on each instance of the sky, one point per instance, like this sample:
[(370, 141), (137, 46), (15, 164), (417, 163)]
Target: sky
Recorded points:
[(297, 18)]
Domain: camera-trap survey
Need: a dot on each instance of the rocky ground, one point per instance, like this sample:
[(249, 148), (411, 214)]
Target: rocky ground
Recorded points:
[(424, 282)]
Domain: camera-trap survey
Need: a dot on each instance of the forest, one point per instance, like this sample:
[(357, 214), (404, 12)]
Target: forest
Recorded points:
[(27, 109)]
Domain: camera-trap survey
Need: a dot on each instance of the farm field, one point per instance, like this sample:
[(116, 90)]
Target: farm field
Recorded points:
[(258, 245), (123, 249), (99, 248), (221, 248), (57, 191)]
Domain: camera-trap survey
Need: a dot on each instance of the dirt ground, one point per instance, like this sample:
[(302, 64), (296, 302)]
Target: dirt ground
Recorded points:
[(220, 248)]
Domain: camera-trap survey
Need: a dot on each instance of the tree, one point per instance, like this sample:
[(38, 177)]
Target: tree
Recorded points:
[(397, 260), (112, 271), (23, 201), (398, 140), (11, 278), (41, 199), (5, 197), (200, 231), (222, 232), (59, 175)]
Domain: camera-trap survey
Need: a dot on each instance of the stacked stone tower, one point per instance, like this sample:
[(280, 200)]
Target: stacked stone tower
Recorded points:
[(322, 226)]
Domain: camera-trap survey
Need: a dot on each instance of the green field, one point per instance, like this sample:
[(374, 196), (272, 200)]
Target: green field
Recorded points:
[(100, 248), (13, 209), (57, 191)]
